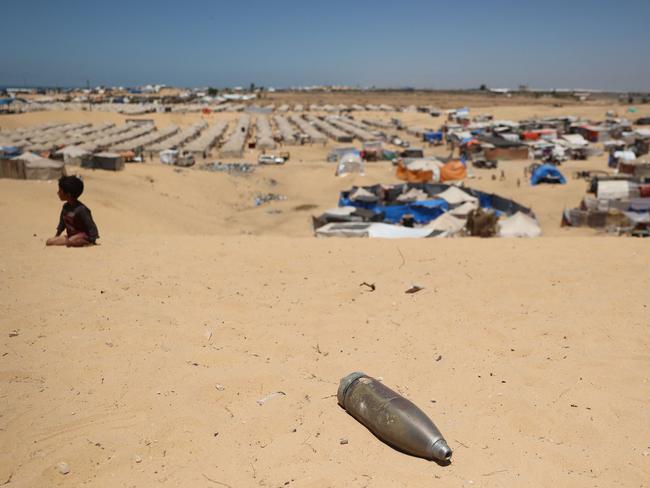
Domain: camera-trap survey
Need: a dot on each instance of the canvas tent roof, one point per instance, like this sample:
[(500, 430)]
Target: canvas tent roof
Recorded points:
[(38, 168), (455, 196), (234, 147), (264, 133), (286, 131), (208, 139)]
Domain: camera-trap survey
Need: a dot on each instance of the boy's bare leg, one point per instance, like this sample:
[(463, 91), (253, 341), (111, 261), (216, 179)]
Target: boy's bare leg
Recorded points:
[(56, 241), (78, 240)]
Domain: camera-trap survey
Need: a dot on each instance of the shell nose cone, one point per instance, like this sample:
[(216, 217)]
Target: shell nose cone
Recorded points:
[(440, 451)]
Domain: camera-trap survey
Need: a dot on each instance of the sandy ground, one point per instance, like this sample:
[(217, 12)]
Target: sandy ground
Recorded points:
[(139, 362)]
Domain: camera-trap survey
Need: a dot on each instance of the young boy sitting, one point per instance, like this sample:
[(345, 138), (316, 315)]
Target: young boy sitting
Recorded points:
[(75, 218)]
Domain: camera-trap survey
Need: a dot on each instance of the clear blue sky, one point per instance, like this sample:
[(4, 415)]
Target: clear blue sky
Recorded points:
[(564, 44)]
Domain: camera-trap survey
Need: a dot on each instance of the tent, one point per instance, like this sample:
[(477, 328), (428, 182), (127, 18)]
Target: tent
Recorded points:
[(446, 225), (453, 171), (519, 225), (547, 173), (105, 160), (73, 155), (29, 166), (169, 156), (455, 196), (350, 162), (419, 170)]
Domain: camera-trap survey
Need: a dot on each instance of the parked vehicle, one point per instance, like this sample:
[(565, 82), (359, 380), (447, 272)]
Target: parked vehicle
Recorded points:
[(270, 159)]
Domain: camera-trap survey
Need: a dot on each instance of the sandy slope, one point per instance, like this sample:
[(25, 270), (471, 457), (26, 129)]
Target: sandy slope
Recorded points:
[(543, 371), (112, 360)]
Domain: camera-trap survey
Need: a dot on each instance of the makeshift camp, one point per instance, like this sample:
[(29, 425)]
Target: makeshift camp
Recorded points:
[(546, 173), (28, 166), (415, 205), (350, 162)]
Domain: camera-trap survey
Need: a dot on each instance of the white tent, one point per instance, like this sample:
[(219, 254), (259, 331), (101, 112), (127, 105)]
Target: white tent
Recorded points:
[(519, 225), (350, 163), (455, 196), (371, 229), (447, 224)]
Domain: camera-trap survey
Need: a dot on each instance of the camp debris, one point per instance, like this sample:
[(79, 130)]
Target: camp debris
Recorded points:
[(263, 198), (231, 168)]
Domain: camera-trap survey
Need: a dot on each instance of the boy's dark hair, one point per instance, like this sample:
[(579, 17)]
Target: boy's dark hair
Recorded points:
[(71, 185)]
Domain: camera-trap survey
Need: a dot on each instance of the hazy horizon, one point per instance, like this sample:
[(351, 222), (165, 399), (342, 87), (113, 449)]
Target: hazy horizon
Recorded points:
[(424, 45)]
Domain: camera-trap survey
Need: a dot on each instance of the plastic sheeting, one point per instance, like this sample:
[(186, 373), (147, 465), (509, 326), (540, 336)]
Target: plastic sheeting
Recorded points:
[(547, 173)]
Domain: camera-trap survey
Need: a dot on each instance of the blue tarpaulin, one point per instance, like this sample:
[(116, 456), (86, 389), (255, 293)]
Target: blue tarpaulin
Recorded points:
[(547, 173), (423, 211), (9, 151), (389, 210), (432, 136), (6, 101)]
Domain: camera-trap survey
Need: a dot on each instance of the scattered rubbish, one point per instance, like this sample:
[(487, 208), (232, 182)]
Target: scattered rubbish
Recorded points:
[(343, 441), (371, 286), (231, 168), (263, 198), (208, 335), (13, 333), (391, 417), (137, 459), (270, 396), (219, 387), (439, 357), (414, 289), (63, 468)]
